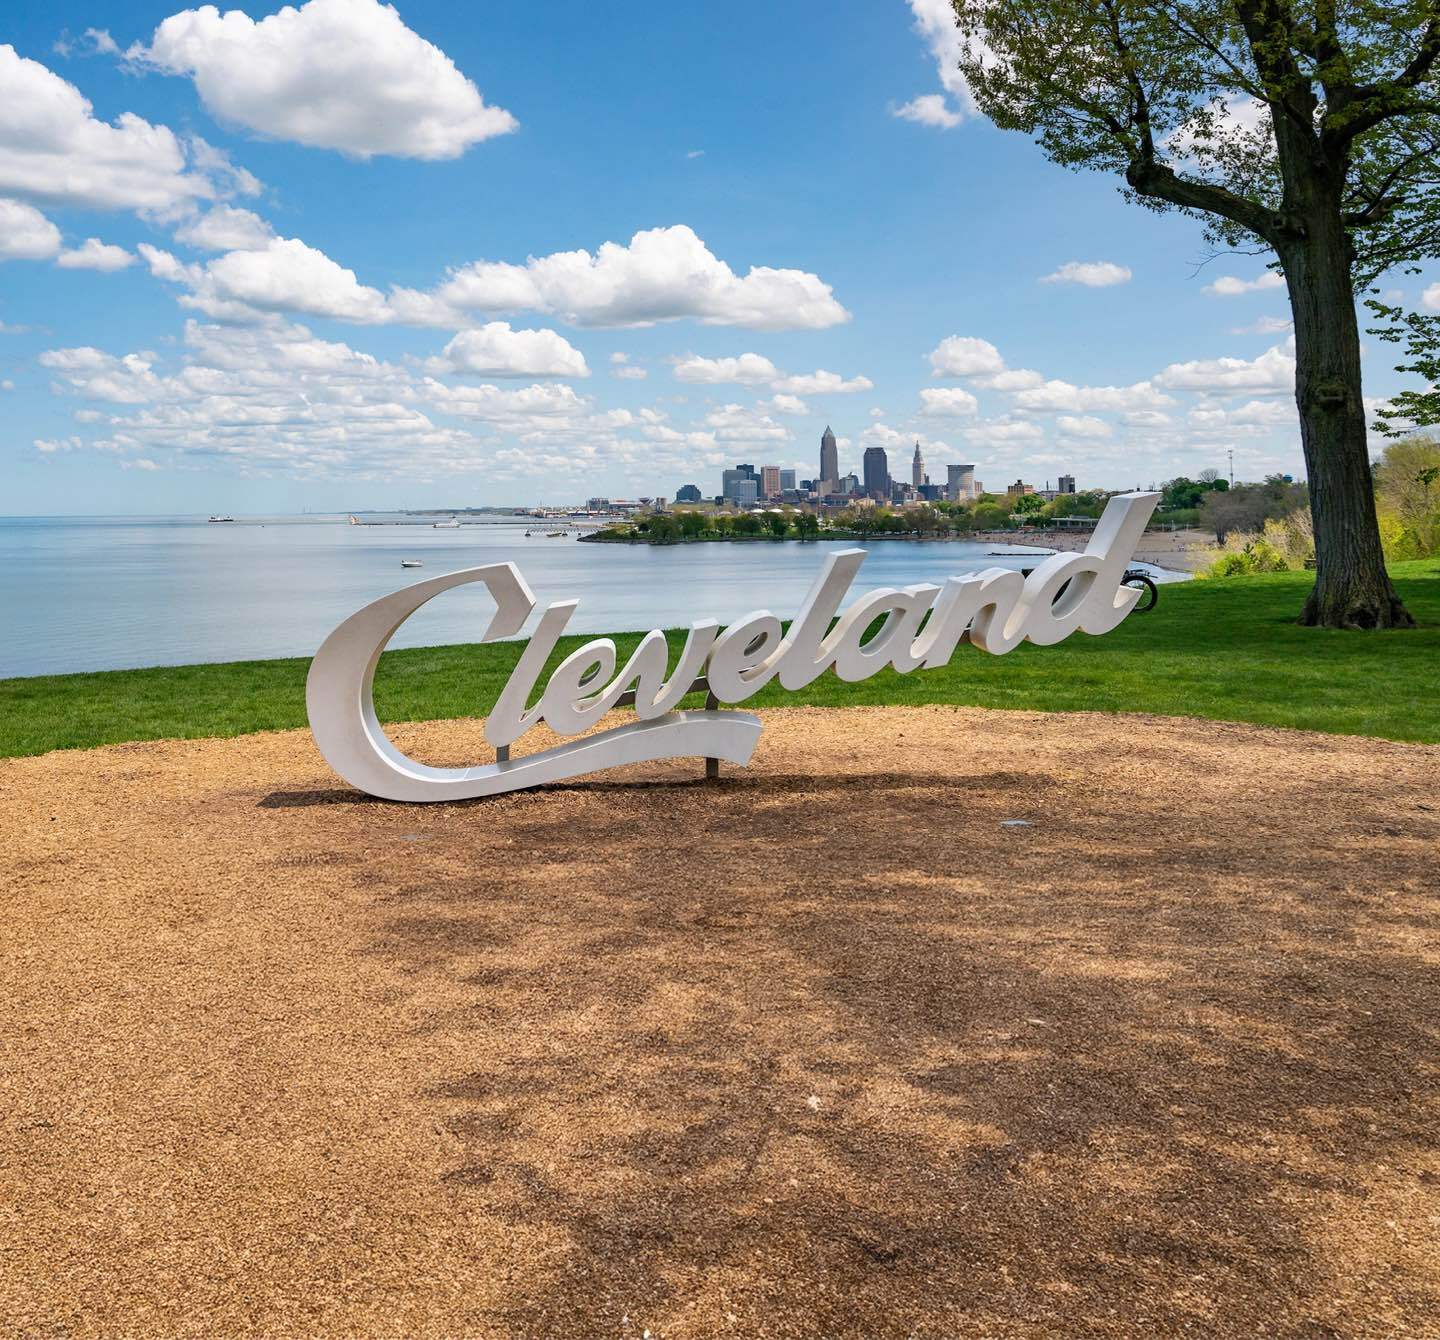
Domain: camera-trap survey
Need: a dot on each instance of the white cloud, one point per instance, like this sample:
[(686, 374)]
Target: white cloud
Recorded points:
[(495, 350), (787, 404), (25, 233), (1083, 426), (95, 255), (1431, 298), (139, 463), (935, 22), (226, 228), (53, 149), (288, 276), (965, 356), (1061, 395), (929, 109), (736, 423), (821, 382), (333, 74), (947, 402), (630, 373), (1004, 431), (1265, 325), (97, 375), (1228, 286), (1273, 373), (746, 370), (662, 274), (1092, 274)]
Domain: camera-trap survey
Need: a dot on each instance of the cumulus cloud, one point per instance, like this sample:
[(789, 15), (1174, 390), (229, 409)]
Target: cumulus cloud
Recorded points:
[(1056, 395), (93, 254), (1272, 373), (662, 274), (1430, 298), (929, 109), (25, 233), (947, 402), (495, 350), (1228, 286), (226, 228), (333, 74), (935, 22), (787, 404), (757, 370), (737, 423), (1086, 425), (53, 149), (746, 370), (821, 382), (964, 356), (1091, 274), (276, 399)]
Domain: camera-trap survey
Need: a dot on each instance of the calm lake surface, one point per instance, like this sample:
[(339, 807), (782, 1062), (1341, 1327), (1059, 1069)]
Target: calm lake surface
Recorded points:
[(106, 593)]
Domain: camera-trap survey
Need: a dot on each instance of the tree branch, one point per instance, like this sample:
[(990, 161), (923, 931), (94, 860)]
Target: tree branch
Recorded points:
[(1163, 183)]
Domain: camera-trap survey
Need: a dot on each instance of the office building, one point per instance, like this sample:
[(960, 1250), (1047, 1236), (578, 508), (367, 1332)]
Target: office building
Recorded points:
[(1019, 489), (687, 493), (1065, 484), (917, 467), (829, 459), (960, 482), (740, 474), (876, 467), (769, 481), (744, 492), (787, 481)]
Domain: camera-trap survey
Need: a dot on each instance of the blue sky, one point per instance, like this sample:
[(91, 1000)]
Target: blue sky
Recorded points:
[(312, 281)]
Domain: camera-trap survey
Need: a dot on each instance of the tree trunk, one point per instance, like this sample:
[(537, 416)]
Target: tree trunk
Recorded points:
[(1352, 588)]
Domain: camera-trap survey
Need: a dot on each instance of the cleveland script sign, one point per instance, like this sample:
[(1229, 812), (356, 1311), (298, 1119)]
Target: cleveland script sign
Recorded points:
[(994, 610)]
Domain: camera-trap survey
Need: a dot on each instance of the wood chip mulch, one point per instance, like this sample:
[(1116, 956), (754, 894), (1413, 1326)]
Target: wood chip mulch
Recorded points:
[(826, 1049)]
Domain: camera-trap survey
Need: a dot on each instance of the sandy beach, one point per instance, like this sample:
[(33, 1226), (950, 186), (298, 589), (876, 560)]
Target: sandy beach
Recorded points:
[(838, 1046)]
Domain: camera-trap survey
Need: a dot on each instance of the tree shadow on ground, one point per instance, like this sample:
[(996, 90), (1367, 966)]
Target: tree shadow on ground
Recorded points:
[(848, 1057)]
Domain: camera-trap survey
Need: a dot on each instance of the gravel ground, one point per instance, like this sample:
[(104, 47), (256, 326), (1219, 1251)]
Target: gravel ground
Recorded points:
[(828, 1048)]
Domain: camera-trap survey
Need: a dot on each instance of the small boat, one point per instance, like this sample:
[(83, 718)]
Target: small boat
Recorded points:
[(452, 524), (222, 518), (411, 563), (555, 535)]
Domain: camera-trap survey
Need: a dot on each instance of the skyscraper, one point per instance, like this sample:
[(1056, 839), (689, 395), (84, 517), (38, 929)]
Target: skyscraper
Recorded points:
[(960, 483), (769, 481), (787, 480), (1065, 484), (829, 458), (877, 474), (917, 466)]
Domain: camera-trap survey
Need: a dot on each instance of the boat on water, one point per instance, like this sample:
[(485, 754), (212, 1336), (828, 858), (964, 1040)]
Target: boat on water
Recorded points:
[(452, 524), (222, 518), (411, 563)]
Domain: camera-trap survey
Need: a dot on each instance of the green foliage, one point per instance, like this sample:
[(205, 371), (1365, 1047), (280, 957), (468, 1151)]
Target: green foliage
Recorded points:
[(1183, 494), (807, 525), (692, 524), (1227, 651), (779, 525), (1028, 502), (1407, 496), (1246, 507), (746, 524), (1141, 88), (1420, 334)]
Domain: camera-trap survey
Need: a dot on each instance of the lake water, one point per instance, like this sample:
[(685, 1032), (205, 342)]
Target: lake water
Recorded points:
[(104, 593)]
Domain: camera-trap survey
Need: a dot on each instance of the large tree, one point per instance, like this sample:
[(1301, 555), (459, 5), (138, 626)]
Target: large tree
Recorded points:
[(1307, 130)]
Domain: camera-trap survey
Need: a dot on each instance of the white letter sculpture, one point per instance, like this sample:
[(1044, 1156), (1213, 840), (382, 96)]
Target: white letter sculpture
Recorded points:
[(995, 610)]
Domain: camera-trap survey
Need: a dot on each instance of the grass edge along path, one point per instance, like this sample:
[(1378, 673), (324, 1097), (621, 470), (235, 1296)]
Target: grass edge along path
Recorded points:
[(1226, 650)]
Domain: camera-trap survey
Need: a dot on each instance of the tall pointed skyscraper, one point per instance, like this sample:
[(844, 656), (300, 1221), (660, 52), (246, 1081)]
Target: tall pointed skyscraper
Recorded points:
[(829, 459), (917, 466)]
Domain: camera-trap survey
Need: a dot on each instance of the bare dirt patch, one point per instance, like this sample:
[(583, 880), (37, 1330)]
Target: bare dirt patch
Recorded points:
[(825, 1049)]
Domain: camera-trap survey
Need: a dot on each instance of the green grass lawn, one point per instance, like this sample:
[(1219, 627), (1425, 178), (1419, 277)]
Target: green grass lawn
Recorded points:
[(1227, 650)]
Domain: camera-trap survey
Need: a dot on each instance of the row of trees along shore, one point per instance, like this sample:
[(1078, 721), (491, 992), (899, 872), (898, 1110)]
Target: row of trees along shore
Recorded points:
[(1307, 131), (1241, 516)]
